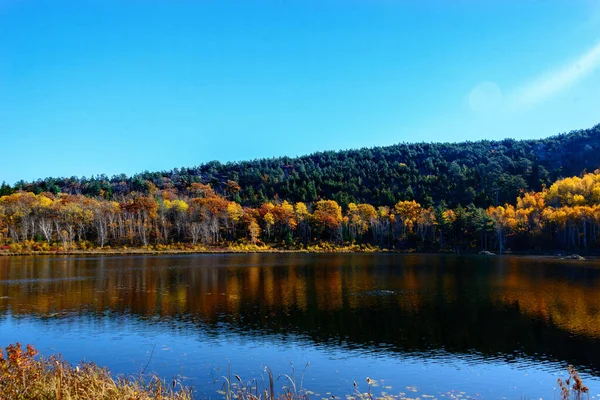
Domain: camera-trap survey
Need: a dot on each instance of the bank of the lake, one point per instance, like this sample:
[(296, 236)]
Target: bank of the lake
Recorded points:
[(321, 248), (32, 247)]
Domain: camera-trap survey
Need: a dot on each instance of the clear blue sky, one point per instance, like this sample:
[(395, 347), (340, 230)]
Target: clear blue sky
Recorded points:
[(114, 86)]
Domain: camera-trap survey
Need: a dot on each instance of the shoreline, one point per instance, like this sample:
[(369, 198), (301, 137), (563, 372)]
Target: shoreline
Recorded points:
[(342, 250), (114, 252)]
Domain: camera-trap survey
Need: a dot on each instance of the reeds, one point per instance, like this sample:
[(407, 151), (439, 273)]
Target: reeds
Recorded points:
[(572, 388), (264, 389), (24, 376)]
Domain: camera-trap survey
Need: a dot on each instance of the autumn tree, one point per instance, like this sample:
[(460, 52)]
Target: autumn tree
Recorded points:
[(210, 211), (253, 231), (302, 217), (139, 215), (18, 215), (45, 215), (328, 216), (361, 218), (234, 213), (505, 222), (406, 213)]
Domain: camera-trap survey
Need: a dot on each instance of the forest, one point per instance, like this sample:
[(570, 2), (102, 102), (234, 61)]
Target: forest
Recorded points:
[(530, 195), (483, 173), (565, 215)]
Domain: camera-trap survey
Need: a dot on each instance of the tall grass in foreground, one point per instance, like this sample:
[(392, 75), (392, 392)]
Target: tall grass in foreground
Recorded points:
[(24, 376)]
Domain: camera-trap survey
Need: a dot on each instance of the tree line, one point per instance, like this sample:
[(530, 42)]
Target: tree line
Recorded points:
[(565, 215)]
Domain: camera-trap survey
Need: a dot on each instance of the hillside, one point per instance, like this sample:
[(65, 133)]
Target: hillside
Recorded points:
[(482, 172)]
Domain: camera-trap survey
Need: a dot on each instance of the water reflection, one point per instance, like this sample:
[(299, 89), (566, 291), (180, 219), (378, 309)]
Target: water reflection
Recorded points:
[(498, 308)]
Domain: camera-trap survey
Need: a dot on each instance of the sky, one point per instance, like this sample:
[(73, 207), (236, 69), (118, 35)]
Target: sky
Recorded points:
[(124, 86)]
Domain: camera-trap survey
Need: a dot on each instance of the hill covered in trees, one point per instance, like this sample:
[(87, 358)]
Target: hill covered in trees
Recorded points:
[(430, 197), (482, 173)]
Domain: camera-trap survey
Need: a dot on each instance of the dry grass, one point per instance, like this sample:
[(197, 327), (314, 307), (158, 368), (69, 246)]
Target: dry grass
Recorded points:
[(572, 388), (234, 388), (25, 376)]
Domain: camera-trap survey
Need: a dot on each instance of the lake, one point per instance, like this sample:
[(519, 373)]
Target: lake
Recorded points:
[(436, 325)]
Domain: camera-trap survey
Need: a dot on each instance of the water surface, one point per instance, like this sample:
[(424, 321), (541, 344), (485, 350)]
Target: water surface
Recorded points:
[(439, 325)]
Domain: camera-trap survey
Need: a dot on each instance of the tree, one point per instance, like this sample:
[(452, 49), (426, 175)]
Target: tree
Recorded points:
[(302, 216), (328, 216), (254, 231), (5, 189), (361, 218), (45, 215), (505, 222), (234, 213), (406, 213)]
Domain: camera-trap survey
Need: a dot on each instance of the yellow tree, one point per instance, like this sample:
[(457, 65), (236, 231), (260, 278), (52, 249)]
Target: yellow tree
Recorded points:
[(382, 227), (253, 231), (328, 216), (368, 215), (171, 212), (285, 216), (529, 210), (505, 221), (269, 222), (45, 215), (267, 218), (178, 214), (353, 221), (302, 216), (18, 214), (407, 213), (361, 218), (234, 213), (575, 190)]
